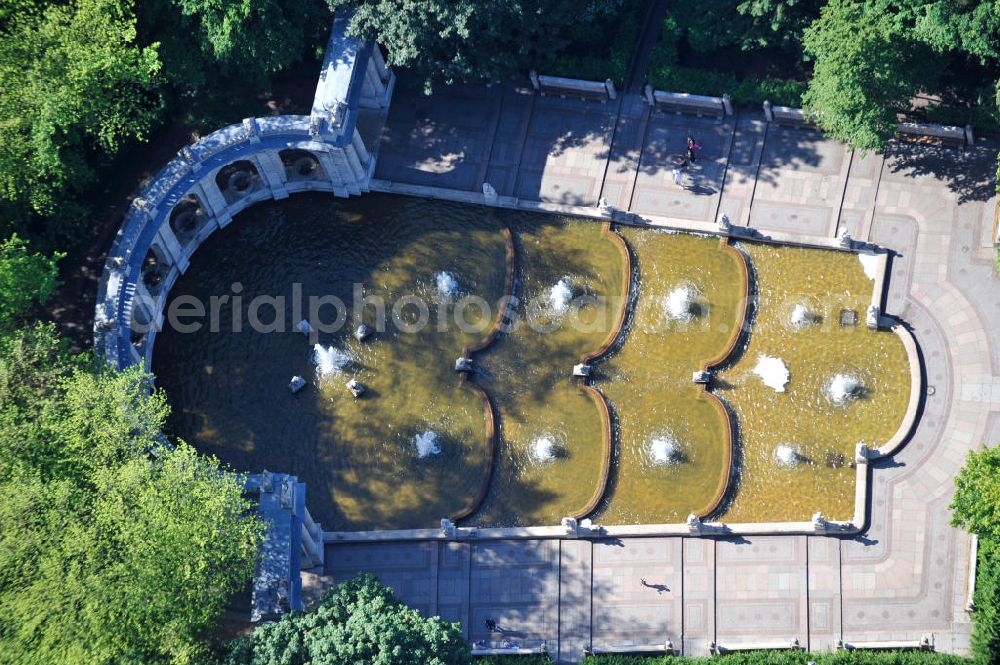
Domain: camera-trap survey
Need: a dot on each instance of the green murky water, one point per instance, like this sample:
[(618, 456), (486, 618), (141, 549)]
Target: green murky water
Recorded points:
[(805, 417), (413, 448), (673, 442), (551, 457)]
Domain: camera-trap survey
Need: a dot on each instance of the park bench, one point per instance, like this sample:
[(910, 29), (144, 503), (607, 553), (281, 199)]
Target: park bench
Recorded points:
[(682, 102), (947, 134), (788, 116), (563, 87)]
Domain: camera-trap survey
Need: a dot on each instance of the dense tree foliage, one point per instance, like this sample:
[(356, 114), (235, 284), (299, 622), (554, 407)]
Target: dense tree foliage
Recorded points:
[(446, 41), (115, 547), (361, 621), (75, 86), (976, 504), (865, 72), (26, 278)]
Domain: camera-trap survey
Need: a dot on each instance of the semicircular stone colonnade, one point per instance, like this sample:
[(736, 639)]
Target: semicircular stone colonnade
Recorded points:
[(332, 149)]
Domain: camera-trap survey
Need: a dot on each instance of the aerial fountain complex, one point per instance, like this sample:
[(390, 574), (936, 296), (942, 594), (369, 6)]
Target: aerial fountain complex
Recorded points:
[(520, 441), (622, 374)]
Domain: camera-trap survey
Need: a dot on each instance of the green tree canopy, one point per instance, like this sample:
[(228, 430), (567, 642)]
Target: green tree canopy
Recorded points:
[(361, 621), (469, 40), (26, 279), (75, 86), (115, 547), (976, 504), (865, 72)]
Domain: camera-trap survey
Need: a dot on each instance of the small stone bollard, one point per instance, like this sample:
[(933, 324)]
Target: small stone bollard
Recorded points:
[(362, 332), (356, 387), (605, 207), (581, 370), (533, 76), (701, 376), (305, 328), (768, 111), (649, 94), (489, 193), (970, 138), (570, 526), (448, 528), (296, 384), (693, 523), (609, 85), (727, 103), (862, 453), (724, 224), (872, 317), (845, 239), (819, 522), (463, 364)]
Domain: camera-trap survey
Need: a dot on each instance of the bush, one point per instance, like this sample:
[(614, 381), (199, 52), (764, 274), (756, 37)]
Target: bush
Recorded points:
[(986, 630), (750, 91), (582, 61)]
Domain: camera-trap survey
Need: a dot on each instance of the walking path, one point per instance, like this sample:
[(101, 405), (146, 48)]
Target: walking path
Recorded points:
[(907, 577)]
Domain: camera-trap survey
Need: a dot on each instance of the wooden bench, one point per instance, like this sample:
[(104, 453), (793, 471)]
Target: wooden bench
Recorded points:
[(563, 87), (682, 102), (945, 133)]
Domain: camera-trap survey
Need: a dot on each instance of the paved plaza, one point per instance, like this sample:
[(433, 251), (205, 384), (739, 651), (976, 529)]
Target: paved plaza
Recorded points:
[(907, 576)]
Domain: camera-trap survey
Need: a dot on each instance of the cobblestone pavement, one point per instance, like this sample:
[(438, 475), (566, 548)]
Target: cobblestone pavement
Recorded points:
[(907, 576)]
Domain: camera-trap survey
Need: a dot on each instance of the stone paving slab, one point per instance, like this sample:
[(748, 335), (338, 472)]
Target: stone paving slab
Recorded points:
[(697, 197), (566, 151), (439, 140), (800, 183)]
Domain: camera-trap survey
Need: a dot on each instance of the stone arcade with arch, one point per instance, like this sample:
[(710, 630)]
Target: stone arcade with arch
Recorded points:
[(332, 149)]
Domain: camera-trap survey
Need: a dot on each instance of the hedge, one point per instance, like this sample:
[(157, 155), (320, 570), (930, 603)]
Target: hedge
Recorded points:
[(665, 74)]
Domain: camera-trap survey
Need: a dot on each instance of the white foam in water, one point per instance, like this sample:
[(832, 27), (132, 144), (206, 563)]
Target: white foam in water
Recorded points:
[(786, 455), (773, 372), (446, 283), (329, 359), (543, 449), (843, 387), (560, 295), (870, 263), (427, 444), (664, 450), (680, 302), (801, 316)]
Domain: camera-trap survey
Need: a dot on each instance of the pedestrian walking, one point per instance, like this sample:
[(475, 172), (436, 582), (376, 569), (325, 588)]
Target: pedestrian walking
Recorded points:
[(692, 149), (679, 171)]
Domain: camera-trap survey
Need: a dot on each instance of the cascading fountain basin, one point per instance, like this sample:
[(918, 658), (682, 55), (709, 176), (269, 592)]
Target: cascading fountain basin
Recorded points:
[(805, 413), (415, 448)]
